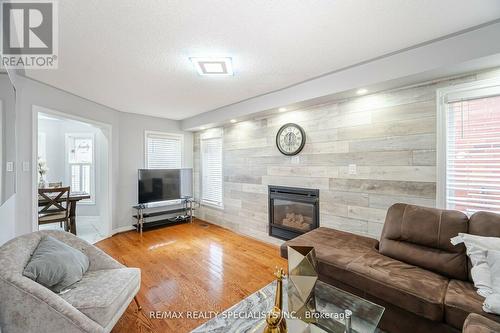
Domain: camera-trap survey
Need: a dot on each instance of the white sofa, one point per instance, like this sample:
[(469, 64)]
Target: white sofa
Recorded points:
[(93, 304)]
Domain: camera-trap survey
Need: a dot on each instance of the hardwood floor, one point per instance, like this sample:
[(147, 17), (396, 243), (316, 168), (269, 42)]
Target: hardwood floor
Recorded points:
[(190, 267)]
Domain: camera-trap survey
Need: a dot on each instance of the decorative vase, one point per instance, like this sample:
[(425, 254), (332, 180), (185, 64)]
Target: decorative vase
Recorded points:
[(41, 182), (302, 277)]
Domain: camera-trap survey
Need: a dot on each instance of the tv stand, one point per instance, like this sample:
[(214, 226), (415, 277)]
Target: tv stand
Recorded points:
[(168, 214)]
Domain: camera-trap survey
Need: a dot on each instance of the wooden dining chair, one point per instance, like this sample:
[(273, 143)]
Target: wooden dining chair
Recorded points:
[(56, 208)]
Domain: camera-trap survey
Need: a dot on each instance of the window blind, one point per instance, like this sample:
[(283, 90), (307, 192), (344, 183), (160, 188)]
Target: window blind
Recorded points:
[(473, 155), (80, 157), (81, 178), (163, 151), (211, 160), (75, 178)]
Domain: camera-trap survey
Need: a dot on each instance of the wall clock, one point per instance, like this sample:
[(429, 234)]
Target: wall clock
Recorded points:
[(290, 139)]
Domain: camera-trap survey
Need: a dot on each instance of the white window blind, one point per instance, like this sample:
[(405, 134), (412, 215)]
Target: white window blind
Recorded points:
[(163, 151), (81, 164), (211, 161), (473, 155), (81, 178)]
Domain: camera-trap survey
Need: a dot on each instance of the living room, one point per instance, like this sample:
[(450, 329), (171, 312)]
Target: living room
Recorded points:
[(250, 167)]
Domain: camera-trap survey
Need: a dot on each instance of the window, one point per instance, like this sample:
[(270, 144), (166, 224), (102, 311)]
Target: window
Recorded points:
[(163, 150), (469, 148), (211, 168), (80, 155)]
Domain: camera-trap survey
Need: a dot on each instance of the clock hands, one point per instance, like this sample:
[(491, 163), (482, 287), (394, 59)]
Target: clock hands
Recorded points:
[(290, 139)]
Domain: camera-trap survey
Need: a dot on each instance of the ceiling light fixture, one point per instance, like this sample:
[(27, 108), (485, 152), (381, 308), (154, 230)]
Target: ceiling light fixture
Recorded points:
[(361, 91), (203, 128), (282, 109), (233, 121), (213, 66)]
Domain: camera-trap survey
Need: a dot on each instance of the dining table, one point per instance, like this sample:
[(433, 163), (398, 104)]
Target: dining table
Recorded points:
[(74, 197)]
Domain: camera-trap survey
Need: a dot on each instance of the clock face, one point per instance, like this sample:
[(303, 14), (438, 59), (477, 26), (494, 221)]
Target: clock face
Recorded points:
[(290, 139)]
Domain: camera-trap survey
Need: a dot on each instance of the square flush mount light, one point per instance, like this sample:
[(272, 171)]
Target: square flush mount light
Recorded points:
[(213, 66)]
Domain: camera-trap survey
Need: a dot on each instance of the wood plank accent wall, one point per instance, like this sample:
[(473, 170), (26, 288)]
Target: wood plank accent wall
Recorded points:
[(390, 136)]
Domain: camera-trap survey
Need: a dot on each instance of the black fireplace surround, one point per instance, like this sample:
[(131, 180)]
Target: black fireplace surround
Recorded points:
[(292, 211)]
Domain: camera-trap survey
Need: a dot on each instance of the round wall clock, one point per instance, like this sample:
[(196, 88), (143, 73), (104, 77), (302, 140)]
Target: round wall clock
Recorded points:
[(290, 139)]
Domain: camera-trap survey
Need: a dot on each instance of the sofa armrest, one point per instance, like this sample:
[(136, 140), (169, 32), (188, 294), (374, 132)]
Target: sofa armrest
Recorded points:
[(26, 306), (98, 259), (476, 323)]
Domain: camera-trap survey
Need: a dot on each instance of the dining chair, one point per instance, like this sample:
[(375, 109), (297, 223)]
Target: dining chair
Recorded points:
[(55, 185), (56, 208)]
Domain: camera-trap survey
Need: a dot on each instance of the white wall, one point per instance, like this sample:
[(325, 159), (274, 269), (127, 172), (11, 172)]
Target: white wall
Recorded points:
[(54, 151), (126, 144), (7, 153), (8, 219)]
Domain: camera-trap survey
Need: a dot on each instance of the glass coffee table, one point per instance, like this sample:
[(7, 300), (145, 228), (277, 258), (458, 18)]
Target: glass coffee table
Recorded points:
[(248, 316)]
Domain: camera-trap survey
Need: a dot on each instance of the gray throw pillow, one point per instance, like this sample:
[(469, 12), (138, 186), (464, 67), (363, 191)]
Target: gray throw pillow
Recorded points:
[(56, 265)]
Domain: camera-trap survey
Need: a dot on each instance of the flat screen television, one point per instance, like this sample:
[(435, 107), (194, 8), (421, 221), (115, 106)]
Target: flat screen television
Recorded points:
[(157, 185)]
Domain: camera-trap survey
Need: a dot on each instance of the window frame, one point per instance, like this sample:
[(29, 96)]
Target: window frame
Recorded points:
[(215, 133), (92, 200), (466, 91), (178, 136)]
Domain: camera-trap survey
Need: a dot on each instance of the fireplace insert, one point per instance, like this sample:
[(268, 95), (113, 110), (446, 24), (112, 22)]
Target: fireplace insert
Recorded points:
[(292, 211)]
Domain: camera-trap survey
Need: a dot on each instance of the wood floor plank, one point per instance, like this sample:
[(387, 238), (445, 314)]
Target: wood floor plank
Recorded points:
[(190, 267)]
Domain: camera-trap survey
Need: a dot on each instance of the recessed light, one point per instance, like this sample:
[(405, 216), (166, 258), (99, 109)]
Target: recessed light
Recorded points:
[(213, 66), (233, 121), (203, 128), (361, 91), (282, 109)]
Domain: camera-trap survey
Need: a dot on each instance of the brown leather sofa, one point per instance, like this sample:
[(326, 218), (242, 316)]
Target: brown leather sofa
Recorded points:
[(421, 279)]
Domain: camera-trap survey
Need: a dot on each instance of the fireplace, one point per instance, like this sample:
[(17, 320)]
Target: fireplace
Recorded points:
[(292, 211)]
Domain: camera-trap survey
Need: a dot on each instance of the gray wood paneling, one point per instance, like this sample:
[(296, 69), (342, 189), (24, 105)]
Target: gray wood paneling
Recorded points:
[(391, 187), (390, 136)]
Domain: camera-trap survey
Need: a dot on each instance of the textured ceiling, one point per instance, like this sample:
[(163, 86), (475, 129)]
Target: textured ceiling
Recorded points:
[(133, 55)]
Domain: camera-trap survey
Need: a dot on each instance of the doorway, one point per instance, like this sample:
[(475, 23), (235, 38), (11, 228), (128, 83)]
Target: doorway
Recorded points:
[(75, 152)]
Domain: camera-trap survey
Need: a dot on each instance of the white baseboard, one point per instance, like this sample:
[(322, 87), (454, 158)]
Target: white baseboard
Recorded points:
[(122, 229), (90, 219)]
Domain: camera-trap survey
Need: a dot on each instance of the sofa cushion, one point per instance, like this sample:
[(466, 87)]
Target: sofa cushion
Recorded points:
[(409, 287), (334, 251), (421, 236), (462, 299), (478, 324), (101, 294), (332, 245)]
